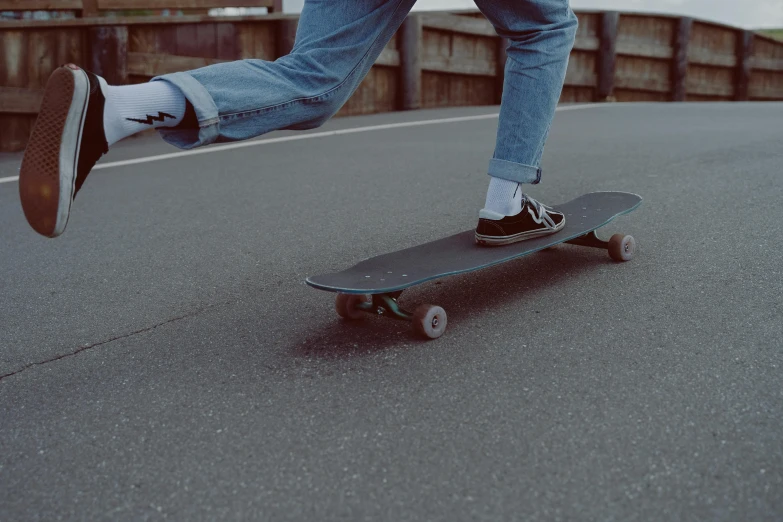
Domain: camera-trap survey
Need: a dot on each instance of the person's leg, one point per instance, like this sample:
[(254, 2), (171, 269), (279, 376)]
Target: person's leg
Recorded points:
[(541, 34), (337, 42)]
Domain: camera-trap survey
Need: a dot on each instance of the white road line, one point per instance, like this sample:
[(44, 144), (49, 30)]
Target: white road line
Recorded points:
[(339, 132)]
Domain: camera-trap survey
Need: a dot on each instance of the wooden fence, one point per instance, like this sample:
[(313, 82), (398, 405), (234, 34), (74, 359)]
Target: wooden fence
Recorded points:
[(89, 8), (434, 60)]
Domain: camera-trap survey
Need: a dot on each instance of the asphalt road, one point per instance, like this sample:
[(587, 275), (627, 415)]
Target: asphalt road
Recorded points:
[(165, 360)]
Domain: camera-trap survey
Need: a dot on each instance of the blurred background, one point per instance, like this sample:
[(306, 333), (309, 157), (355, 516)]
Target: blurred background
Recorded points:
[(752, 14), (642, 50)]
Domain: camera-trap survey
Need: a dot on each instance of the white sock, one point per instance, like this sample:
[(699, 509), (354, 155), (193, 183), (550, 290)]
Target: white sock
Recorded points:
[(504, 197), (133, 108)]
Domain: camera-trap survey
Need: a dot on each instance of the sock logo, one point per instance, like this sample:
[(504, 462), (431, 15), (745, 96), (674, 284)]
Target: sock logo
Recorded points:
[(161, 117)]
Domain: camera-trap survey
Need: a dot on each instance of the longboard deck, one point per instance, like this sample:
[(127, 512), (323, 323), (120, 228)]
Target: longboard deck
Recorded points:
[(459, 253)]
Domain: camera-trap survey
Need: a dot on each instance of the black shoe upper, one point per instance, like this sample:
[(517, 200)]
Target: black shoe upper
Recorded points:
[(93, 143), (533, 217)]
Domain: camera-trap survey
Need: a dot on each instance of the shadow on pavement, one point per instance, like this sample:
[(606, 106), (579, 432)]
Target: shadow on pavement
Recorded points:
[(467, 298)]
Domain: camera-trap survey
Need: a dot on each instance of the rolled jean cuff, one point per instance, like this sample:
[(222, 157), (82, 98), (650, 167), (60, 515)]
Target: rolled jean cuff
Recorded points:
[(518, 172), (204, 107)]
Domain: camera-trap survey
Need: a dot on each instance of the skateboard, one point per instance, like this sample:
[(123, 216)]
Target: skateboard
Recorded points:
[(373, 286)]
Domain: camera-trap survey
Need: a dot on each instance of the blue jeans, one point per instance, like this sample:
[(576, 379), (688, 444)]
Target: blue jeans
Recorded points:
[(337, 42)]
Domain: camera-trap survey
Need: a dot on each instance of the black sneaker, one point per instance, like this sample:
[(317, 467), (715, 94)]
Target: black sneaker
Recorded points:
[(535, 220), (66, 142)]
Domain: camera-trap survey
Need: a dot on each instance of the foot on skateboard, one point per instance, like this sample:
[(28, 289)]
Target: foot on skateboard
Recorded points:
[(374, 286)]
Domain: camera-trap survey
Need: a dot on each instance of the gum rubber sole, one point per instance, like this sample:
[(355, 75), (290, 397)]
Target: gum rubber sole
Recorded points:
[(508, 240), (48, 171)]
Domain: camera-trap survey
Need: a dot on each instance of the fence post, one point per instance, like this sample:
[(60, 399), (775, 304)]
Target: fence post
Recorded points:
[(109, 53), (682, 38), (744, 56), (607, 55), (410, 62), (500, 75)]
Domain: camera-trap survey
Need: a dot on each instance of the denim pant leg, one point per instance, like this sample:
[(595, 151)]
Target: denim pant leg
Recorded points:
[(337, 42), (541, 35)]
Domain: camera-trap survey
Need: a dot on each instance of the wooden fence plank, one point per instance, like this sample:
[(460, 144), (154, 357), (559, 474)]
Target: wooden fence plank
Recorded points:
[(767, 54), (40, 57), (40, 5), (166, 39), (766, 85), (768, 64), (582, 71), (448, 90), (142, 39), (121, 5), (712, 45), (458, 24), (206, 40), (389, 58), (71, 46), (587, 43), (89, 8), (187, 41), (147, 64), (456, 65), (644, 49), (13, 58), (264, 36), (109, 53), (643, 74), (226, 42), (14, 128), (642, 83), (717, 82), (706, 57), (246, 41), (286, 36), (20, 101)]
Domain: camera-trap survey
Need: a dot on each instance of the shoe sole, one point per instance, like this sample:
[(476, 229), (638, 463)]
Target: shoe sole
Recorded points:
[(515, 238), (47, 177)]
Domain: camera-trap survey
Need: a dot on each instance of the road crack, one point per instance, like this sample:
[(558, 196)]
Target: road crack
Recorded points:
[(107, 341)]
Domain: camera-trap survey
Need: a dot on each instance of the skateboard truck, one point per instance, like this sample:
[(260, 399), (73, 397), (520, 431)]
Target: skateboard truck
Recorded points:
[(428, 320), (620, 247), (590, 240), (385, 304)]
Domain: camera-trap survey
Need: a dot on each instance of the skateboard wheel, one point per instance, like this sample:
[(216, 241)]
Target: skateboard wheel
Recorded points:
[(429, 321), (345, 304), (622, 248)]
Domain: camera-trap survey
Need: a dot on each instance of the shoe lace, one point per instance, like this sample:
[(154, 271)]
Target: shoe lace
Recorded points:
[(541, 214)]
